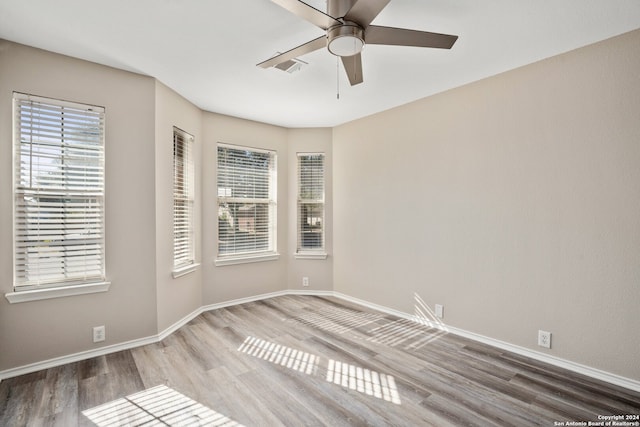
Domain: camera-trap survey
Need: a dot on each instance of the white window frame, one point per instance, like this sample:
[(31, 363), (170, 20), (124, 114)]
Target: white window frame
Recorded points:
[(311, 191), (184, 252), (59, 195), (226, 197)]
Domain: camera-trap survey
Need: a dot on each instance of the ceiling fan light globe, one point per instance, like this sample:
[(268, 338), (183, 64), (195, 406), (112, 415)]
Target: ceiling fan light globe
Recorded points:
[(346, 46), (345, 40)]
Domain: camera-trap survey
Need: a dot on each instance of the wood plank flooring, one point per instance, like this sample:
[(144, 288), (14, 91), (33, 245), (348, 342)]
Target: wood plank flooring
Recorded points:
[(301, 360)]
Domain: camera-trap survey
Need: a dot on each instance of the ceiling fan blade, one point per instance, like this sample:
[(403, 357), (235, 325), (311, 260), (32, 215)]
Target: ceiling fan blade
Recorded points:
[(365, 11), (308, 13), (402, 37), (308, 47), (353, 67)]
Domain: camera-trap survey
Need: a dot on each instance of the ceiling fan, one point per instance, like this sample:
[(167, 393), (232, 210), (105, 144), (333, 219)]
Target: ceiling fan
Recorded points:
[(347, 23)]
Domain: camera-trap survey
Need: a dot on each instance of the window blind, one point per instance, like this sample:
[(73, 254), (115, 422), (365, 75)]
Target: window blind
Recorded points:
[(246, 200), (183, 200), (59, 193), (310, 202)]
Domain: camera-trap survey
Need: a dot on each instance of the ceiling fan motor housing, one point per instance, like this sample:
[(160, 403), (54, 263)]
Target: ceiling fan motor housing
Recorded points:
[(346, 39)]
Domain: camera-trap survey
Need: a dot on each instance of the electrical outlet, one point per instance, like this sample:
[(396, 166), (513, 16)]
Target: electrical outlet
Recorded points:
[(98, 333), (544, 339), (305, 281), (439, 311)]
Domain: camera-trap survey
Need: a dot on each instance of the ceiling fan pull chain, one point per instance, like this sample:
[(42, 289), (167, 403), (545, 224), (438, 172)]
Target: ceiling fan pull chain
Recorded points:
[(337, 77)]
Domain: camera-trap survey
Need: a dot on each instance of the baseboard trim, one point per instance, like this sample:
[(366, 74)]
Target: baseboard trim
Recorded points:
[(522, 351), (552, 360), (374, 306), (243, 300), (88, 354), (179, 324), (76, 357), (314, 293)]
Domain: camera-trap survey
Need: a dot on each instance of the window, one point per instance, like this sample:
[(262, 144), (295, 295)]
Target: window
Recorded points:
[(246, 202), (59, 193), (311, 203), (183, 203)]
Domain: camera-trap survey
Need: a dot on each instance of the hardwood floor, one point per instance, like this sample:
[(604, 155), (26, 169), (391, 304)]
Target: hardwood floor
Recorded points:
[(301, 360)]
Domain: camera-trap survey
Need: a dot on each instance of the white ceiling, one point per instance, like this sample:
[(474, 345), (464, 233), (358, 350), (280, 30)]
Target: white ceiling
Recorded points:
[(206, 50)]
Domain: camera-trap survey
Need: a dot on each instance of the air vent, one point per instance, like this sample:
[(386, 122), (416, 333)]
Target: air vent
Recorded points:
[(292, 65)]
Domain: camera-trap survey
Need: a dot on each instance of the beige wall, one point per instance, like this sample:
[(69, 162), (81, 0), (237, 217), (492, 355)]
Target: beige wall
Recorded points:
[(513, 201), (319, 271), (39, 330), (229, 282), (180, 296)]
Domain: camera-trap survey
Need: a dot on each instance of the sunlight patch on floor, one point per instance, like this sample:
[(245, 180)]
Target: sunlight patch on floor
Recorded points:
[(353, 377), (338, 320), (406, 333), (363, 380), (157, 406), (280, 355)]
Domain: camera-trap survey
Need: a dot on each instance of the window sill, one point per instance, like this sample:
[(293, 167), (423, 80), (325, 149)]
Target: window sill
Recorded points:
[(310, 255), (272, 256), (62, 291), (178, 272)]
